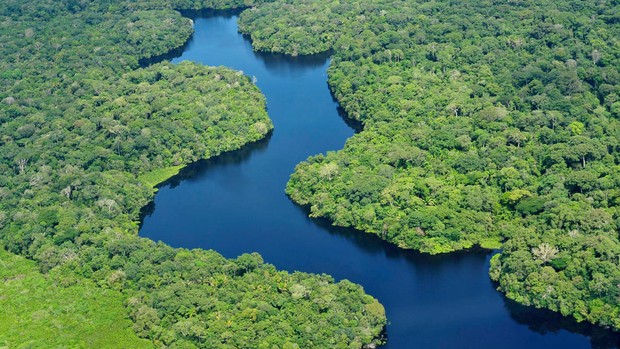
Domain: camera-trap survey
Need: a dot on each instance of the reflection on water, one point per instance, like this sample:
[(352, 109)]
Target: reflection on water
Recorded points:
[(235, 203), (199, 169), (546, 321)]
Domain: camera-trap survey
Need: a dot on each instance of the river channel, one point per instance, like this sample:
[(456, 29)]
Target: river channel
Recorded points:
[(235, 204)]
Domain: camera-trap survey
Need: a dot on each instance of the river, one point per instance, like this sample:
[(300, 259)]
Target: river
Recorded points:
[(235, 203)]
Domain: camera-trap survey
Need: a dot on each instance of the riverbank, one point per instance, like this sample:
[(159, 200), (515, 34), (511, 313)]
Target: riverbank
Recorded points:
[(81, 121), (425, 297)]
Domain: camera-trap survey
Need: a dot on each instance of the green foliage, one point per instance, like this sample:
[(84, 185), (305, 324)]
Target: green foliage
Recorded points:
[(530, 205), (490, 243), (85, 135), (177, 297), (49, 311), (155, 177), (483, 121)]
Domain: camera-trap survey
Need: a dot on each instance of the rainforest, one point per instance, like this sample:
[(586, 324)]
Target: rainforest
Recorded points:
[(485, 125)]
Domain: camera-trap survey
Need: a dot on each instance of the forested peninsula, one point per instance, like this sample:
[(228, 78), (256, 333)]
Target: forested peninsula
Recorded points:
[(491, 123), (85, 134), (485, 123)]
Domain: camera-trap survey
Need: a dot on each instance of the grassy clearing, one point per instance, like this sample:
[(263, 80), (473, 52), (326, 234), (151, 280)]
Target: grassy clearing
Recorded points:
[(153, 178), (37, 312), (491, 243)]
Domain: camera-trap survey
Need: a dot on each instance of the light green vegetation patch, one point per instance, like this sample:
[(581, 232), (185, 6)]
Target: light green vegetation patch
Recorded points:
[(155, 177), (490, 244), (37, 311)]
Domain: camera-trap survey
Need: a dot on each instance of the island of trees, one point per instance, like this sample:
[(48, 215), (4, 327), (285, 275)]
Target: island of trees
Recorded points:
[(85, 134), (492, 123)]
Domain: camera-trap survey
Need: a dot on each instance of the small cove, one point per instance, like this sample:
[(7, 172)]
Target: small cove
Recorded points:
[(235, 203)]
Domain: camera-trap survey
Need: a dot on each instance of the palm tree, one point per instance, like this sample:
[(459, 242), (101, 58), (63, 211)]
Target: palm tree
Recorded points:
[(545, 252)]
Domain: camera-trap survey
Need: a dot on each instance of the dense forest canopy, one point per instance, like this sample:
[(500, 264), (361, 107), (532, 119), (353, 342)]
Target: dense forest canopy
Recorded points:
[(485, 122), (84, 131)]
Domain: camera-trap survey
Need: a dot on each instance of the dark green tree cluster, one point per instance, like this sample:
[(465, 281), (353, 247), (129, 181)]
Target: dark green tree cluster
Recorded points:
[(484, 122), (198, 299), (81, 122)]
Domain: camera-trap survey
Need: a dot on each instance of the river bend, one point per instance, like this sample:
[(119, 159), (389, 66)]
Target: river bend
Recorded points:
[(235, 203)]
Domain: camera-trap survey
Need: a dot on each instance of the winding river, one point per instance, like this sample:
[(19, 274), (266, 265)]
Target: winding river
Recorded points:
[(235, 203)]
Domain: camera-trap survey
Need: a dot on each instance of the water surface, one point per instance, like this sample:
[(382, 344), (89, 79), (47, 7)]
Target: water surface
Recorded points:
[(236, 204)]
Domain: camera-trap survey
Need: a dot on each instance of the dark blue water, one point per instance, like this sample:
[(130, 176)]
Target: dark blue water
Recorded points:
[(235, 204)]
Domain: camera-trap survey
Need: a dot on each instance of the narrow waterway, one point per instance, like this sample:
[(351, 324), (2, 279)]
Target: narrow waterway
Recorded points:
[(236, 204)]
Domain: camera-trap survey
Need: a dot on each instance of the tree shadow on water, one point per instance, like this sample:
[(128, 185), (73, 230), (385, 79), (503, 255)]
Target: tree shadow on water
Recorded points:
[(201, 168), (546, 321), (372, 244), (282, 63), (193, 15), (541, 321)]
